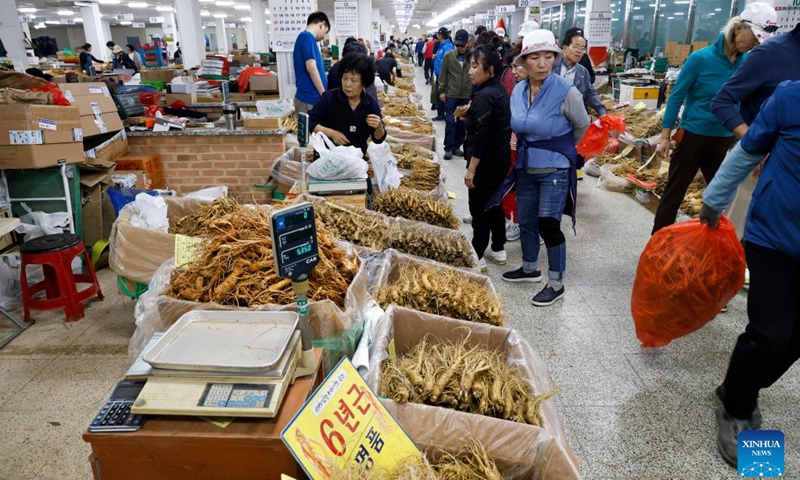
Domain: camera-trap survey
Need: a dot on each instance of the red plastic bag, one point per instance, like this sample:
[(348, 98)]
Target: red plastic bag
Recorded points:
[(56, 93), (153, 109), (595, 140), (687, 273), (244, 77), (149, 98)]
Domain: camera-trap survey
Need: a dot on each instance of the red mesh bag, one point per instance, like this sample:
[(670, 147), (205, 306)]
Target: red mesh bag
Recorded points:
[(687, 273), (149, 98), (55, 92), (595, 139), (244, 77)]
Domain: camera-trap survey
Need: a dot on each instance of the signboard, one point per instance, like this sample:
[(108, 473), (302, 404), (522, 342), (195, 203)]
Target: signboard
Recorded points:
[(505, 9), (598, 29), (343, 425), (288, 21), (209, 24), (491, 13), (243, 26), (138, 25), (788, 14), (346, 14), (638, 17), (230, 25), (124, 17), (481, 16), (522, 3), (26, 19), (157, 20), (67, 21)]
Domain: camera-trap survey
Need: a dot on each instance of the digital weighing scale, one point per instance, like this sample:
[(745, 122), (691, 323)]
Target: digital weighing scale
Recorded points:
[(239, 363)]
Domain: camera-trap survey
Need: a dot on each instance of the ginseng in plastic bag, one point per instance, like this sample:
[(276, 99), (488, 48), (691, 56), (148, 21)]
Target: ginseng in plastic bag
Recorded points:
[(687, 273), (595, 140)]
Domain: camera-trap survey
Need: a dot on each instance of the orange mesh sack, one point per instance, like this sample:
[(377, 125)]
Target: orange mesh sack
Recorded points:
[(687, 273)]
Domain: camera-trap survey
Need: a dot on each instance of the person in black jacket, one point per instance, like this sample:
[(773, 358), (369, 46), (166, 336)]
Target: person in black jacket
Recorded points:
[(86, 58), (386, 65), (351, 47), (487, 149)]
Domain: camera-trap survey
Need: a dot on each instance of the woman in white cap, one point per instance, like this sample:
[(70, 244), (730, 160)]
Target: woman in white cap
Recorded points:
[(548, 118), (703, 141)]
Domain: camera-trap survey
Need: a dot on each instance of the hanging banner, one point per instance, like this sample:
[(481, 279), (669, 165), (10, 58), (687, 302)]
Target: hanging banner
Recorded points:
[(598, 29), (788, 14), (346, 14), (154, 19), (288, 21), (138, 25)]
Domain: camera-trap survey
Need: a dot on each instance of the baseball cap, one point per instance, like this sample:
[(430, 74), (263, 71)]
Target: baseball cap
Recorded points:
[(762, 19), (443, 31), (462, 37), (527, 27)]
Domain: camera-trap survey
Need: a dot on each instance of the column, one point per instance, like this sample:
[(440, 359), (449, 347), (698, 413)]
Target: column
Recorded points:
[(258, 27), (222, 36), (517, 19), (189, 26), (375, 36), (365, 20), (107, 36), (250, 40), (11, 33), (95, 31), (170, 28)]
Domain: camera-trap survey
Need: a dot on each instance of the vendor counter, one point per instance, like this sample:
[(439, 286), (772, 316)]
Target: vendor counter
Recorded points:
[(193, 159)]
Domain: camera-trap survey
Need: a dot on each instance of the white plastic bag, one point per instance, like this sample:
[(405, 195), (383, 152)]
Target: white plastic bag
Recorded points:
[(39, 224), (152, 213), (210, 194), (336, 162), (10, 287), (609, 181), (385, 165)]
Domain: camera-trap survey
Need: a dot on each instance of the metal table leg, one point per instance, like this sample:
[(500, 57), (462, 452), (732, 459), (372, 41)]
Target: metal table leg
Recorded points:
[(21, 327)]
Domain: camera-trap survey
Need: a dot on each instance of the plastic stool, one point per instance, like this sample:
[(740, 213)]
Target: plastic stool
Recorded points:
[(55, 254)]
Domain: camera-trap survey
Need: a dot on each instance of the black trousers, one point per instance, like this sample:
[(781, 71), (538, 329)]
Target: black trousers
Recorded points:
[(420, 58), (770, 344), (696, 152), (486, 224), (428, 69)]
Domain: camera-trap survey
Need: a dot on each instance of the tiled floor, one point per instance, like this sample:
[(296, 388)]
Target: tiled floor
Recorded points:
[(630, 413)]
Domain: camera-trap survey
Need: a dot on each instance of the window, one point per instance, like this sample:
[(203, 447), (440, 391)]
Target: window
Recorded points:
[(641, 26), (569, 18), (617, 20), (673, 20), (709, 18), (580, 13)]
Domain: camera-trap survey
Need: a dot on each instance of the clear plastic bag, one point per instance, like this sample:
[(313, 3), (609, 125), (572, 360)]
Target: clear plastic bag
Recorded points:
[(396, 136), (592, 169), (383, 162), (336, 162), (521, 451), (613, 183)]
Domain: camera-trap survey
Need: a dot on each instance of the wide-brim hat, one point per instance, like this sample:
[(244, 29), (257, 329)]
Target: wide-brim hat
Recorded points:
[(762, 19), (540, 41)]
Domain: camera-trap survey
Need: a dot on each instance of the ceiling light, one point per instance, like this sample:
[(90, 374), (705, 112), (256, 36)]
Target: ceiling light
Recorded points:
[(247, 19), (53, 22), (269, 22), (167, 8), (717, 9), (126, 22), (678, 13), (26, 10), (108, 2), (205, 13), (207, 1), (220, 15), (137, 5), (241, 7), (637, 8), (40, 25), (224, 3), (65, 13), (79, 20)]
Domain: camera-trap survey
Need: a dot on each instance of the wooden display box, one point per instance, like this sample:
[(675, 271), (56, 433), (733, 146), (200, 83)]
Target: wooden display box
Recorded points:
[(265, 123)]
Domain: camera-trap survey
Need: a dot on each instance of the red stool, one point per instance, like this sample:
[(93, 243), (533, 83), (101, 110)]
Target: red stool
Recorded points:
[(55, 254)]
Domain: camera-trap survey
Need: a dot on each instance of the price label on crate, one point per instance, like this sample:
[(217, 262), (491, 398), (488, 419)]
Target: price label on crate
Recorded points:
[(344, 425)]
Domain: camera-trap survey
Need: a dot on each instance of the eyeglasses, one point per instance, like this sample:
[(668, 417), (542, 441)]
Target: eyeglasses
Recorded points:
[(766, 28), (577, 48)]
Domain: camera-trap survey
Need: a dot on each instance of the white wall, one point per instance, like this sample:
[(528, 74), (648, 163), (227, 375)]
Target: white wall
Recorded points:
[(73, 37)]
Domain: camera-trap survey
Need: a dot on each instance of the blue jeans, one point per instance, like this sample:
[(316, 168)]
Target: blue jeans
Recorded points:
[(455, 130), (540, 203)]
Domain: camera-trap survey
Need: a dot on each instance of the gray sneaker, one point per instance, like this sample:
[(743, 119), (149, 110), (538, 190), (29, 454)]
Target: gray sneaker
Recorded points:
[(755, 418), (728, 435)]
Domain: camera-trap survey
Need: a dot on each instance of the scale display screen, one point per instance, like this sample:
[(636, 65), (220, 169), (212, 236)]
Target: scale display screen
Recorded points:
[(294, 240)]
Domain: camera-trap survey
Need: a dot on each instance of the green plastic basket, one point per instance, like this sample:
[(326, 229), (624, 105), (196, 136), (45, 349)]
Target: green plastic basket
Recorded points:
[(158, 84), (139, 288)]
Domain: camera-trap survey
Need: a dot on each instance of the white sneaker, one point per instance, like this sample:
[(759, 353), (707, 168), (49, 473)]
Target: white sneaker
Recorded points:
[(541, 240), (746, 278), (512, 231), (467, 219), (499, 258), (482, 267)]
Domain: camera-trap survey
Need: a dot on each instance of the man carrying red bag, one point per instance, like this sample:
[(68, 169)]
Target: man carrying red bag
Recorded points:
[(770, 344)]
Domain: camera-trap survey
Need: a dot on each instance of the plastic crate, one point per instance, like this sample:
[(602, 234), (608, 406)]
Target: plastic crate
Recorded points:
[(158, 84), (46, 183)]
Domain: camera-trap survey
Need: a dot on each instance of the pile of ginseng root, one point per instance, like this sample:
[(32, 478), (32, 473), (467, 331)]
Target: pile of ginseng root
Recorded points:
[(442, 291), (470, 463), (424, 174), (414, 124), (197, 224), (406, 203), (367, 229), (237, 268), (401, 110), (469, 379)]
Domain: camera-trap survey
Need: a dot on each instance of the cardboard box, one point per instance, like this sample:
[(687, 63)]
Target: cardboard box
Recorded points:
[(150, 164), (160, 74), (39, 124), (141, 181), (39, 156), (95, 176), (93, 89), (264, 83), (107, 149), (106, 123), (94, 104), (187, 98), (242, 97)]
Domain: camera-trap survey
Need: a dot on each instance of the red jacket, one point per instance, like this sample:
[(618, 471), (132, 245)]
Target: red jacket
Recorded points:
[(429, 49)]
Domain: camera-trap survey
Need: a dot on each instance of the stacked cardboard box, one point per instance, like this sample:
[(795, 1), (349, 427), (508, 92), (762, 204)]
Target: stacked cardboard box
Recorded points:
[(677, 53), (37, 136), (97, 108), (95, 179)]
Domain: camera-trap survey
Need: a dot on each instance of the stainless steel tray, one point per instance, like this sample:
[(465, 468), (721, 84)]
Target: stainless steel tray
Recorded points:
[(224, 341)]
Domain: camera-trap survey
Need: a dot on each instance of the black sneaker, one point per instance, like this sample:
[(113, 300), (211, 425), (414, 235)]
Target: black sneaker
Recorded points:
[(438, 118), (755, 419), (448, 155), (728, 432), (458, 152), (433, 108), (548, 296), (520, 275)]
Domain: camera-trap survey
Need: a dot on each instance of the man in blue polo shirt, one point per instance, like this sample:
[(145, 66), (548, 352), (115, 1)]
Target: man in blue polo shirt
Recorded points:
[(309, 73)]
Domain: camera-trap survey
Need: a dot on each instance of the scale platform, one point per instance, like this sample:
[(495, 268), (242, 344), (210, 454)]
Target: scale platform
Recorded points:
[(233, 382)]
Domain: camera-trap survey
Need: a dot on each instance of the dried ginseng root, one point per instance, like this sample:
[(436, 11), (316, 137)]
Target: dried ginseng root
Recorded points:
[(401, 202)]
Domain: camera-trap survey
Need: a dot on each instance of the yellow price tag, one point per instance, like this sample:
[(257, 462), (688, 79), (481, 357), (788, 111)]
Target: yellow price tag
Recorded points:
[(344, 424), (640, 106), (625, 152), (187, 249), (286, 477), (451, 195), (392, 351)]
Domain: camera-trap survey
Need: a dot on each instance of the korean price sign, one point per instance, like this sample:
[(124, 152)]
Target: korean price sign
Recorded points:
[(344, 424)]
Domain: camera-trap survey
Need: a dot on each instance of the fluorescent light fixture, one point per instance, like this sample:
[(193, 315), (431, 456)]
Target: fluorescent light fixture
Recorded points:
[(40, 25), (66, 13), (670, 18), (269, 22), (207, 1), (220, 15), (137, 5), (247, 19), (205, 13), (126, 22), (224, 3), (637, 8), (53, 22), (109, 2), (26, 10), (679, 13), (241, 7), (167, 8), (717, 9), (79, 20), (463, 5), (416, 25)]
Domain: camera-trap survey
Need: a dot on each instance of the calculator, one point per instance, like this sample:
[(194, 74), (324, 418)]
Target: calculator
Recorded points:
[(116, 416)]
